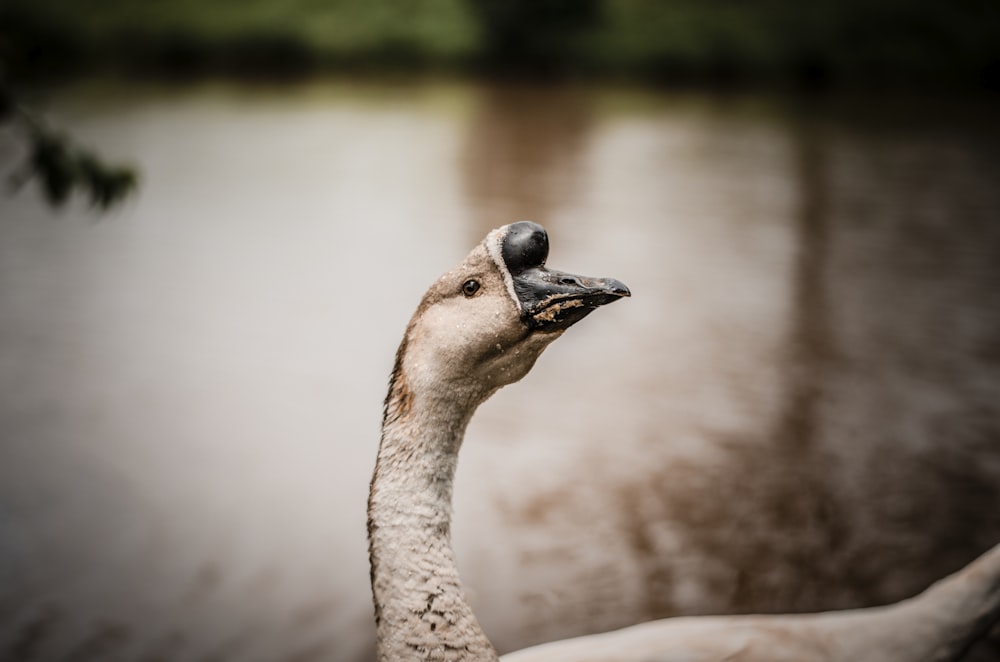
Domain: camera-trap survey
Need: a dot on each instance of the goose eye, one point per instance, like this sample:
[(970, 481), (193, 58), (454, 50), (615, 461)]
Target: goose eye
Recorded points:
[(470, 287)]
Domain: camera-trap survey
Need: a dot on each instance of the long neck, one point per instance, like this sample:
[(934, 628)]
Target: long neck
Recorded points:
[(420, 611)]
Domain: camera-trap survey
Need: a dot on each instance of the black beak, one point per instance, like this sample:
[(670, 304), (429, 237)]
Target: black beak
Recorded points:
[(557, 300), (551, 300)]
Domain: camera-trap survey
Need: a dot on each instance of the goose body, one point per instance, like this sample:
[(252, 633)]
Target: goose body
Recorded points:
[(480, 327), (936, 626)]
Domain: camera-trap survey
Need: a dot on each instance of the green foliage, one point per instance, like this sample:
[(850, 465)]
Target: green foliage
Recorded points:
[(246, 37), (866, 43), (847, 42), (541, 36), (62, 167)]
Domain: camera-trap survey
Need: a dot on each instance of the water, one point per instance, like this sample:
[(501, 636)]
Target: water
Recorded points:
[(798, 409)]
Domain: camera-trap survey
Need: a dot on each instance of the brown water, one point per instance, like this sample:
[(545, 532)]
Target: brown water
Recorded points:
[(798, 409)]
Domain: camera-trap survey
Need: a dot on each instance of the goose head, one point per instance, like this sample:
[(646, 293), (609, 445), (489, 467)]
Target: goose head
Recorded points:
[(483, 324)]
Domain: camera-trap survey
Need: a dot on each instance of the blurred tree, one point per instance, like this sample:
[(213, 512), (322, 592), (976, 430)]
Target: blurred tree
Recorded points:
[(61, 166), (28, 52), (533, 36)]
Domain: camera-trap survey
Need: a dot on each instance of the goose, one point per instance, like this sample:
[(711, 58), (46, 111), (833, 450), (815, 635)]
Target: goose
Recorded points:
[(482, 326)]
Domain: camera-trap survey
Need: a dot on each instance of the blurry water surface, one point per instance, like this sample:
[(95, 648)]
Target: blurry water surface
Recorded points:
[(798, 409)]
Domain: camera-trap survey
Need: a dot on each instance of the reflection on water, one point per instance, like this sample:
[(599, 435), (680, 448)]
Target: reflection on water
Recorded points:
[(797, 410), (519, 141)]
